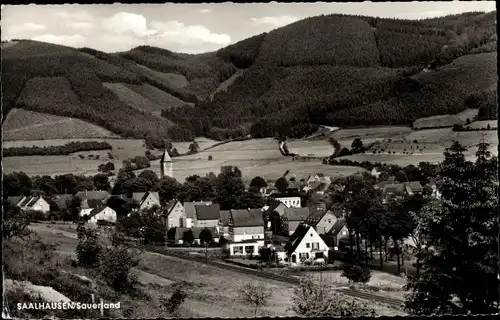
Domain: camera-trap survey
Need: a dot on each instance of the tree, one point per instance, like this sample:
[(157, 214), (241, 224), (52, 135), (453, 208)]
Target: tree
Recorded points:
[(313, 299), (15, 223), (255, 295), (353, 271), (206, 236), (101, 182), (193, 148), (210, 158), (88, 249), (175, 301), (336, 146), (229, 187), (488, 127), (116, 264), (357, 145), (168, 189), (258, 182), (281, 184), (459, 235), (249, 200), (188, 237)]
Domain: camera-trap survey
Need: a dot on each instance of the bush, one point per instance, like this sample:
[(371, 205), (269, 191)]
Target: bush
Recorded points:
[(116, 264), (88, 249), (66, 149), (210, 158), (356, 272)]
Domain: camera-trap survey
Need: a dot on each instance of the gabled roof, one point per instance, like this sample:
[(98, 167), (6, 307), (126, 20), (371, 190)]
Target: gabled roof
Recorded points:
[(315, 216), (297, 214), (337, 226), (414, 186), (32, 201), (170, 206), (147, 194), (278, 195), (14, 200), (97, 210), (297, 237), (165, 157), (189, 207), (247, 218), (207, 212), (322, 186), (394, 188), (92, 203), (25, 201), (274, 204), (224, 217), (99, 195)]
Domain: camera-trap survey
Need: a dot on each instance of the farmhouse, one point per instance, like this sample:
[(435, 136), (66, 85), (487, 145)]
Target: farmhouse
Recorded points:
[(190, 211), (175, 214), (179, 234), (275, 206), (305, 244), (34, 203), (337, 232), (290, 199), (246, 232), (146, 200), (207, 215), (321, 220), (102, 214), (87, 206), (293, 217)]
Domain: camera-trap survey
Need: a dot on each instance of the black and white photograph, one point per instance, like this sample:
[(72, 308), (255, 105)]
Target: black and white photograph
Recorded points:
[(247, 160)]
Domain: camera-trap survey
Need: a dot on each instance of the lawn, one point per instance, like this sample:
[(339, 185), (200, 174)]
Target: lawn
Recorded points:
[(134, 99)]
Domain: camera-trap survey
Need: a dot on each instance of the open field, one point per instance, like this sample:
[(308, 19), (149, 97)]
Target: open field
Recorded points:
[(483, 124), (156, 95), (134, 99), (22, 124)]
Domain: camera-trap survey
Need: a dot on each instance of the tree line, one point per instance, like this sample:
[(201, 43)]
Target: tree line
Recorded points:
[(65, 149)]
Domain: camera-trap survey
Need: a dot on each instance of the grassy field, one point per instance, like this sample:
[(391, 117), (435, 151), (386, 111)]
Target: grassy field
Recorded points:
[(156, 95), (22, 124), (212, 292), (483, 124)]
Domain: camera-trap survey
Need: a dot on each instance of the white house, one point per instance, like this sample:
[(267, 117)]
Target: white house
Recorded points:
[(146, 200), (175, 214), (86, 206), (35, 203), (291, 199), (106, 214), (246, 232), (190, 212), (306, 245)]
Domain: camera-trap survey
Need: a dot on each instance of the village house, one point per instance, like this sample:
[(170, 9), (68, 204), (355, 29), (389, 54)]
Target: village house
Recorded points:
[(321, 220), (146, 200), (305, 244), (375, 173), (207, 215), (293, 217), (290, 199), (87, 206), (224, 223), (275, 206), (175, 214), (30, 203), (179, 234), (104, 213), (246, 232), (190, 212), (337, 232)]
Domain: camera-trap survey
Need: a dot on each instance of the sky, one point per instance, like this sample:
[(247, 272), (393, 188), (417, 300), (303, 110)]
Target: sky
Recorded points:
[(190, 28)]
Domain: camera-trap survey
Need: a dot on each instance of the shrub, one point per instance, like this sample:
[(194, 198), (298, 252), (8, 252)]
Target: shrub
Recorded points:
[(356, 272), (210, 158), (116, 264), (88, 249)]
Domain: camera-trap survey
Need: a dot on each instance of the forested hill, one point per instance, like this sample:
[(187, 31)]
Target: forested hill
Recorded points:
[(333, 70)]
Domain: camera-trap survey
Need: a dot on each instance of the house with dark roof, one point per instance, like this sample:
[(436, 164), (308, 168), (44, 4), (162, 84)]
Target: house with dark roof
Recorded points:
[(190, 211), (15, 200), (305, 244), (207, 215), (102, 213), (413, 187), (246, 232), (321, 220), (31, 203), (175, 214), (337, 232), (293, 217), (146, 200), (291, 199), (87, 206), (276, 206)]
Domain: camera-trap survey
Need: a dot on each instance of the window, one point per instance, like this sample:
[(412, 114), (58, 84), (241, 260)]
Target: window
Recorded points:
[(237, 249), (308, 245), (303, 256), (255, 236), (311, 234), (329, 220), (344, 233), (249, 249), (315, 245)]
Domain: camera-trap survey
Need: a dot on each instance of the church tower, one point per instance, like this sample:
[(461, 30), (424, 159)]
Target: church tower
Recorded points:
[(166, 165)]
